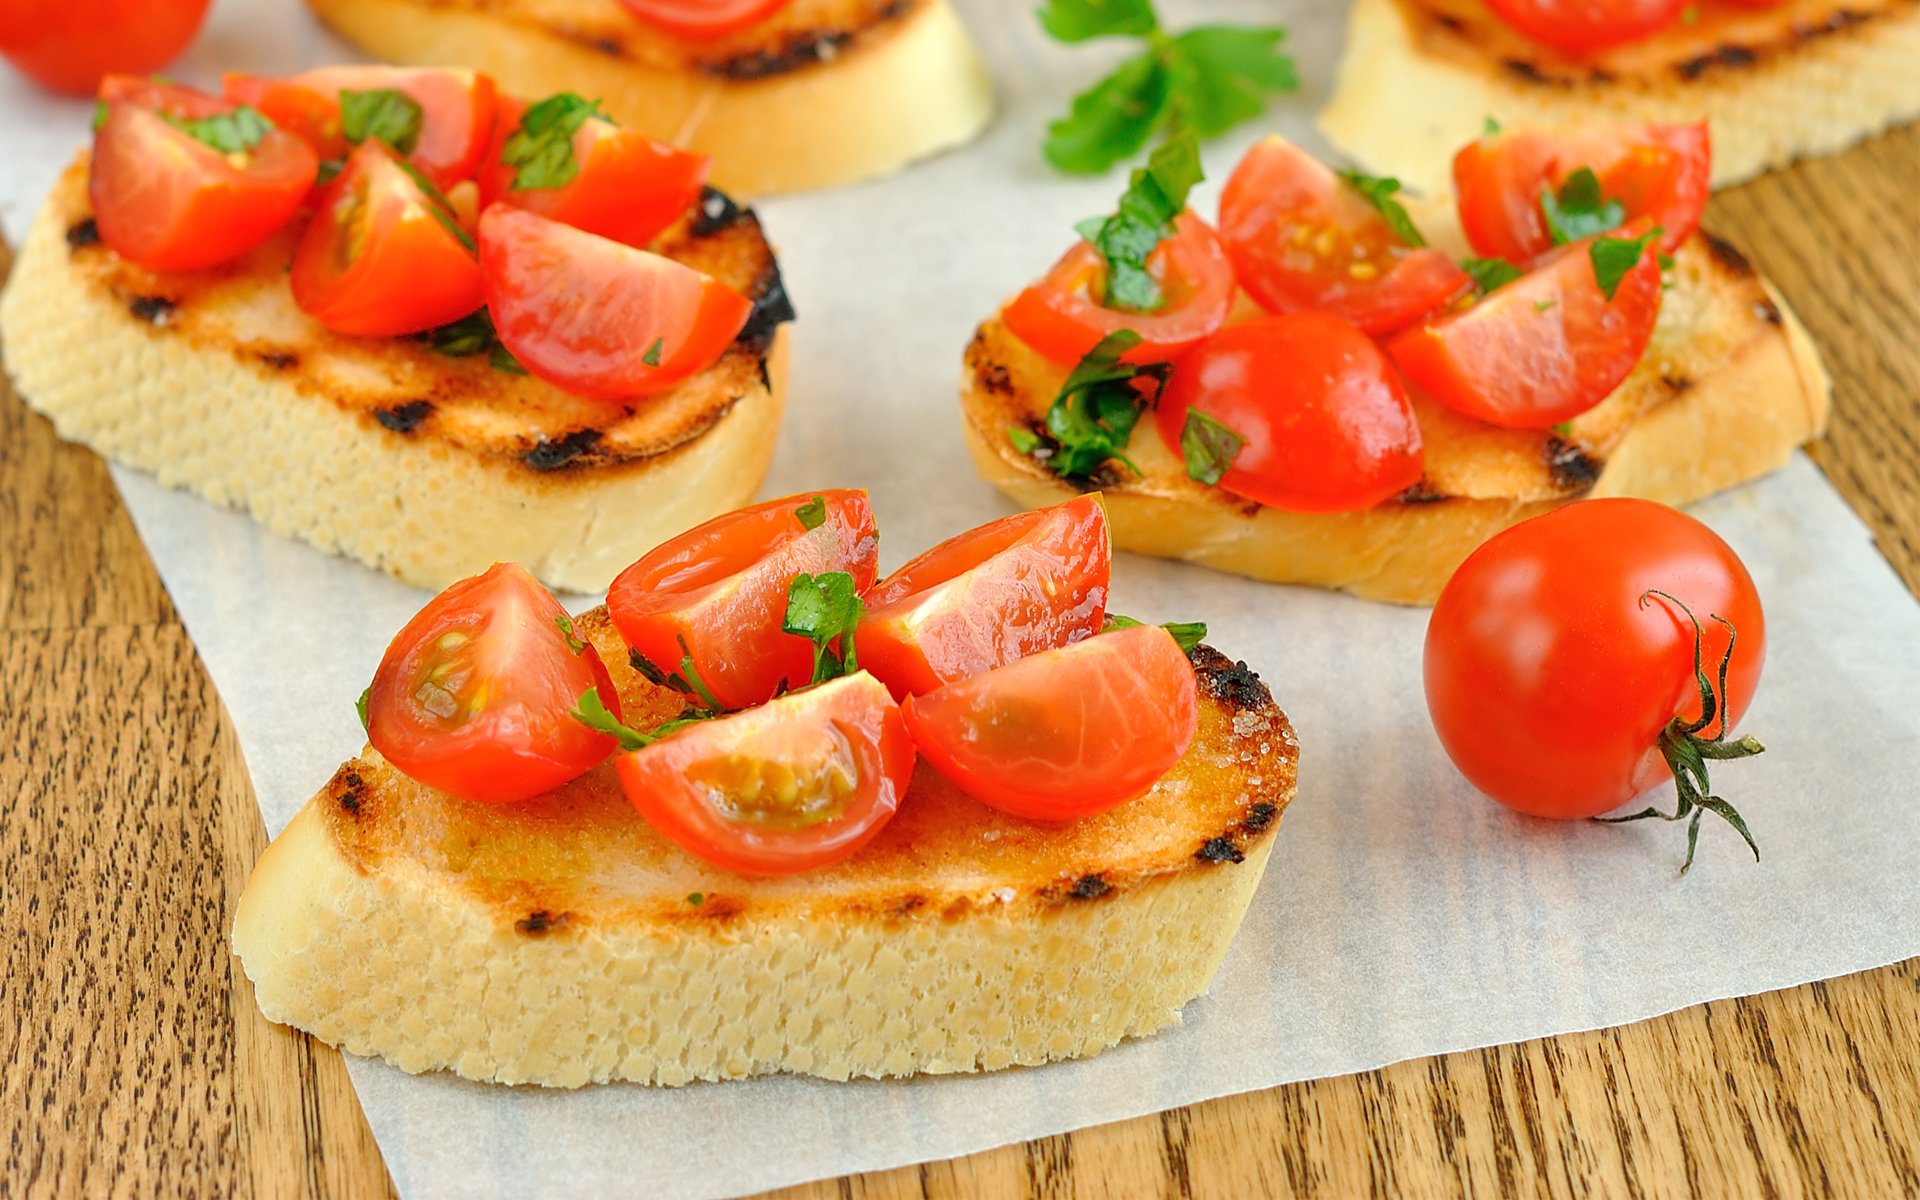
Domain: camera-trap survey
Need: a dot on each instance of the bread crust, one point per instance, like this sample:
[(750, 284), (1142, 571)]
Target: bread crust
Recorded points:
[(1419, 77), (824, 93), (428, 467), (1729, 385), (560, 942)]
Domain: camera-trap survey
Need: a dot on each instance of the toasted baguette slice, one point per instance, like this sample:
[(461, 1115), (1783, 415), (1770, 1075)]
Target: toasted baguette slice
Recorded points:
[(823, 93), (1727, 389), (429, 467), (1419, 77), (563, 942)]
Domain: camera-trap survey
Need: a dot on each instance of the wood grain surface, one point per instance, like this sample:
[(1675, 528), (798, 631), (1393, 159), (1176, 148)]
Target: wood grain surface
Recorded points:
[(139, 1066)]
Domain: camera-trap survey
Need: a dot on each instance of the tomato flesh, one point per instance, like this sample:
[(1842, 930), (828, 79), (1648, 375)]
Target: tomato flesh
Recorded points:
[(1327, 423), (596, 318), (1030, 582), (1660, 172), (698, 20), (796, 784), (473, 695), (70, 45), (1302, 239), (456, 111), (375, 261), (1062, 318), (1550, 672), (1064, 733), (721, 589), (1580, 27)]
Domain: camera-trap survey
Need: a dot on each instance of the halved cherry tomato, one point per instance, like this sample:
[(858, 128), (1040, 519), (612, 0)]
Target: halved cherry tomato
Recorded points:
[(1033, 581), (1325, 419), (69, 45), (597, 318), (1064, 733), (698, 19), (173, 99), (1302, 238), (171, 203), (456, 111), (473, 695), (1586, 26), (1060, 317), (628, 186), (1541, 350), (721, 589), (798, 783), (1661, 172)]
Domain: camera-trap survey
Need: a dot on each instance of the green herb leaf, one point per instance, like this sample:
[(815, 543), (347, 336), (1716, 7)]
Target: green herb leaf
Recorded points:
[(1221, 75), (541, 149), (1186, 634), (812, 514), (438, 205), (565, 625), (696, 898), (329, 171), (470, 335), (100, 114), (384, 114), (593, 713), (1112, 120), (235, 132), (1489, 127), (1541, 306), (1614, 257), (360, 705), (501, 359), (1579, 210), (825, 609), (652, 356), (1564, 429), (1081, 20), (1490, 274), (1155, 195), (1379, 192), (1093, 416), (1023, 439), (1208, 446)]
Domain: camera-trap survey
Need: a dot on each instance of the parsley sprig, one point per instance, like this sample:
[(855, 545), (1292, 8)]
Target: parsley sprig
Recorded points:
[(1490, 274), (1579, 209), (474, 334), (384, 114), (1155, 195), (1614, 257), (541, 149), (686, 680), (591, 712), (1204, 81), (236, 132), (1186, 634), (825, 609), (1093, 416)]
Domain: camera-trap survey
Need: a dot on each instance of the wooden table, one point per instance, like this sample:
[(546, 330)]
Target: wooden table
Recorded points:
[(139, 1065)]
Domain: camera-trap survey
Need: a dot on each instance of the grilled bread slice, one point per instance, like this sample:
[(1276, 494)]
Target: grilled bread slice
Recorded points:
[(1419, 77), (427, 466), (563, 942), (822, 93), (1727, 389)]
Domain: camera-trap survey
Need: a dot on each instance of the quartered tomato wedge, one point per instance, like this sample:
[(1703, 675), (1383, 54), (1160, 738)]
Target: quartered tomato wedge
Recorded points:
[(1661, 172), (597, 318), (721, 589), (1586, 26), (1064, 733), (1543, 349), (381, 258), (1025, 583), (473, 696), (1061, 317), (798, 783), (1301, 238), (1325, 420), (170, 202), (625, 185), (699, 19), (456, 111)]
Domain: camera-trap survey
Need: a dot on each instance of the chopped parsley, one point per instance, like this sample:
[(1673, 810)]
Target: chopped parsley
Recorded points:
[(541, 149), (652, 356), (1579, 210), (825, 609), (812, 514), (470, 335), (236, 132), (565, 625), (686, 680), (1093, 416), (1614, 257), (1208, 446), (1379, 192), (383, 114), (1186, 634), (1156, 194), (360, 705), (592, 713), (1023, 439), (1490, 274)]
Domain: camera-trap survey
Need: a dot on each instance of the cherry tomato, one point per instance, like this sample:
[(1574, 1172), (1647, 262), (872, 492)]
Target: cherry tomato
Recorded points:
[(1660, 172), (1301, 238), (173, 99), (1060, 317), (1033, 581), (701, 19), (1064, 733), (1541, 350), (171, 203), (1326, 421), (1551, 668), (628, 186), (721, 589), (795, 784), (596, 318), (473, 696), (1580, 27), (377, 261), (69, 45), (456, 111)]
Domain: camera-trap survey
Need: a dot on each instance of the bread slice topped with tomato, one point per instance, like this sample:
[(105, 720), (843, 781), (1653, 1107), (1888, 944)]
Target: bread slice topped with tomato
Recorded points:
[(1316, 393), (764, 812), (1775, 80), (406, 318), (784, 95)]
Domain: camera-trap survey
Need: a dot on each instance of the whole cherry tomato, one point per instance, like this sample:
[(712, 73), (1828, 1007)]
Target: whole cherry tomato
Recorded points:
[(698, 20), (70, 45), (1580, 27)]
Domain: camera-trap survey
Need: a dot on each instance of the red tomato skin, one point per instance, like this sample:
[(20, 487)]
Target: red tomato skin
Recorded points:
[(457, 111), (524, 744), (700, 20), (722, 587), (1302, 239), (1581, 27), (69, 46), (1660, 172), (1125, 702), (1327, 421), (852, 716), (1060, 318), (1029, 582), (1547, 677), (409, 275)]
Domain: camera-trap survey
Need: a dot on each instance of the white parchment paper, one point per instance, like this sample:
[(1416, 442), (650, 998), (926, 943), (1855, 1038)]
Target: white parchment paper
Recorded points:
[(1402, 915)]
